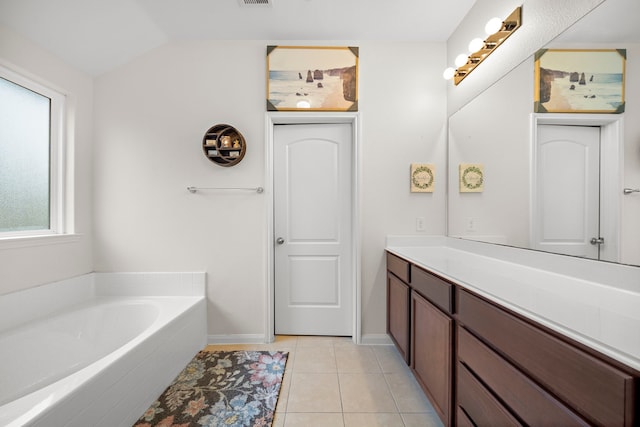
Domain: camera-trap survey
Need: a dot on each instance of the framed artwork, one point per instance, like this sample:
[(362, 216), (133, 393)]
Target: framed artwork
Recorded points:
[(579, 81), (471, 178), (422, 177), (314, 78)]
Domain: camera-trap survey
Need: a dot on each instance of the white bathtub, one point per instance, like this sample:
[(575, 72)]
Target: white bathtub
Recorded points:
[(100, 358)]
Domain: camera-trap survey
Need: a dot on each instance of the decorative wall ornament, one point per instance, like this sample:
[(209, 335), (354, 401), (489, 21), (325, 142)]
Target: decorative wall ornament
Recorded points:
[(471, 178), (579, 80), (422, 177), (314, 78)]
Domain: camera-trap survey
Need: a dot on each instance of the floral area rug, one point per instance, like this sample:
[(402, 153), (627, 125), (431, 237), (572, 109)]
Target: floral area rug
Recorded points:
[(222, 388)]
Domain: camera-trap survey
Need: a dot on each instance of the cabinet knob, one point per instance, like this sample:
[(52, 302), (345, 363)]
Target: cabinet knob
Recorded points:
[(279, 240)]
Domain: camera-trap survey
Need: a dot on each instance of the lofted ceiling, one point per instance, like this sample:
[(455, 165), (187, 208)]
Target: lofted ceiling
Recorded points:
[(96, 35)]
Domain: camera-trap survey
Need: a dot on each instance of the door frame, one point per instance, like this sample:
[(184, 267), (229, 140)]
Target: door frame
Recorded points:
[(611, 171), (278, 118)]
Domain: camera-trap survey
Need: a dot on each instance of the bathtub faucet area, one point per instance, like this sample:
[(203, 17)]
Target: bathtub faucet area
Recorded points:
[(96, 349)]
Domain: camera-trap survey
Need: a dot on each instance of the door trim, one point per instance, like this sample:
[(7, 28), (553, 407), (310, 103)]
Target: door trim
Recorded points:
[(276, 118), (611, 171)]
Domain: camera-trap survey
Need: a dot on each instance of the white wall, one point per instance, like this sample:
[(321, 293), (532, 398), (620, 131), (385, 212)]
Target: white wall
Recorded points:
[(23, 265), (150, 116)]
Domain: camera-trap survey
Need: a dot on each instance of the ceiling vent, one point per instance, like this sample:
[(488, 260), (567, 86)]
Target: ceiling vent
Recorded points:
[(255, 2)]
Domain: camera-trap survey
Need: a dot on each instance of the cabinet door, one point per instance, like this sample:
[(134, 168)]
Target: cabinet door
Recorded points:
[(398, 314), (431, 353)]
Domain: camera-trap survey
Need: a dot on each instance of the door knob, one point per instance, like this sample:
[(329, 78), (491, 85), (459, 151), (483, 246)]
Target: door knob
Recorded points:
[(279, 240)]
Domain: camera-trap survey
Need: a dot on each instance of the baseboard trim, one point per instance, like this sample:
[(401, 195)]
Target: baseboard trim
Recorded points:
[(236, 339), (367, 339)]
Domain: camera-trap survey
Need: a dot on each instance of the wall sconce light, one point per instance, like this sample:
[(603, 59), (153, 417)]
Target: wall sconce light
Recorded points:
[(498, 31)]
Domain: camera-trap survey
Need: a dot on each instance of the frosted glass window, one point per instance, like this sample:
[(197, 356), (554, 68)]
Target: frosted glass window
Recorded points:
[(25, 130)]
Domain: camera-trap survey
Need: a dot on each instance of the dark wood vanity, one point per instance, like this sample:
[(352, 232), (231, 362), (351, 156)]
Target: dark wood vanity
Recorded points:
[(481, 364)]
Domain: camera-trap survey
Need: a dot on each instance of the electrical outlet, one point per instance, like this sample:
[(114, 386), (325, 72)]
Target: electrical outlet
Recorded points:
[(471, 224), (420, 223)]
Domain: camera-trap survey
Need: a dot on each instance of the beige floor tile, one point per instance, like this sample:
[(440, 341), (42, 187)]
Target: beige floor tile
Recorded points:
[(283, 397), (278, 419), (372, 420), (311, 392), (407, 393), (315, 359), (421, 420), (365, 393), (304, 341), (356, 359), (389, 359), (314, 420), (288, 340), (343, 341)]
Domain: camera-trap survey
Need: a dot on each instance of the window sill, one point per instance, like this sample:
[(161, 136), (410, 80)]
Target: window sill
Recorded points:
[(42, 240)]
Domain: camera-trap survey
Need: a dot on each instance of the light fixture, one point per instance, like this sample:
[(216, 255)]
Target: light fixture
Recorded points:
[(493, 26), (449, 73), (498, 31), (476, 44), (461, 60)]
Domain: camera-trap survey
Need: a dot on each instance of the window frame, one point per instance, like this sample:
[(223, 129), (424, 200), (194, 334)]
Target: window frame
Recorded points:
[(57, 166)]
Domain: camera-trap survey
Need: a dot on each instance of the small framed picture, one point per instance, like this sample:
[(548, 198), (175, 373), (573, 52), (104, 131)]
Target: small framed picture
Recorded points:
[(471, 178), (422, 177)]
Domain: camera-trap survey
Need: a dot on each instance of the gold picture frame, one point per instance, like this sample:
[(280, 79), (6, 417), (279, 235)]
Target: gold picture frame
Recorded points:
[(580, 81), (423, 177), (312, 78)]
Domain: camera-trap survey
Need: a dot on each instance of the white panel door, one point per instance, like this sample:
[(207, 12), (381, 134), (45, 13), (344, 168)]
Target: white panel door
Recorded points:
[(567, 190), (312, 226)]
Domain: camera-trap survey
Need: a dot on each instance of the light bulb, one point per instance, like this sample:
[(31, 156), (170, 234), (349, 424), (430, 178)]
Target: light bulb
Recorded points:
[(461, 60), (448, 73), (493, 26), (475, 45)]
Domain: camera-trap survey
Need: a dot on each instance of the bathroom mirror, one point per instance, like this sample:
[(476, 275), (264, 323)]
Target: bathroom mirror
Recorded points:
[(529, 199)]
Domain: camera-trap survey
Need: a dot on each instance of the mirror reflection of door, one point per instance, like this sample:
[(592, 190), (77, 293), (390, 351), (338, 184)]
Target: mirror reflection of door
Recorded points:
[(566, 213)]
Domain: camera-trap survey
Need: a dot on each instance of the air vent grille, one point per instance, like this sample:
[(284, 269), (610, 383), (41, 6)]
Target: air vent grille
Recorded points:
[(255, 2)]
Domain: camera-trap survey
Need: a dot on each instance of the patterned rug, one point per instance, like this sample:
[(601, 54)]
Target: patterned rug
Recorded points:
[(222, 388)]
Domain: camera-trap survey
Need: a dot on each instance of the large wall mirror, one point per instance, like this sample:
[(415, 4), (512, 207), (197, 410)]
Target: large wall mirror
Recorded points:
[(554, 182)]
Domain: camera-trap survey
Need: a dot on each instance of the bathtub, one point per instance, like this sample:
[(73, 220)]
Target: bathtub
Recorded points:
[(101, 354)]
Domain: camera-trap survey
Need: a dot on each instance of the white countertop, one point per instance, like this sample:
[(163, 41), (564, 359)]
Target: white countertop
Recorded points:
[(602, 313)]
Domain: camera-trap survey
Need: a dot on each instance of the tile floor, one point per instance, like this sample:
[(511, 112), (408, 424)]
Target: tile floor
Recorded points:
[(332, 382)]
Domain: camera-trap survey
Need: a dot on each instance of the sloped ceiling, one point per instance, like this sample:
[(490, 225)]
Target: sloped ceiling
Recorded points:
[(96, 36)]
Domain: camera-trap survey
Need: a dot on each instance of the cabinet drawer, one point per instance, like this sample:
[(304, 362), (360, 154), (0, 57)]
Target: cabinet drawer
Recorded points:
[(433, 288), (398, 266), (599, 392), (533, 405), (481, 408), (462, 420)]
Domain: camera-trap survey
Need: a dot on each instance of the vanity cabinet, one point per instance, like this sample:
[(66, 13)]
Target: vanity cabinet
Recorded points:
[(431, 353), (517, 359), (419, 322), (482, 364), (398, 297)]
